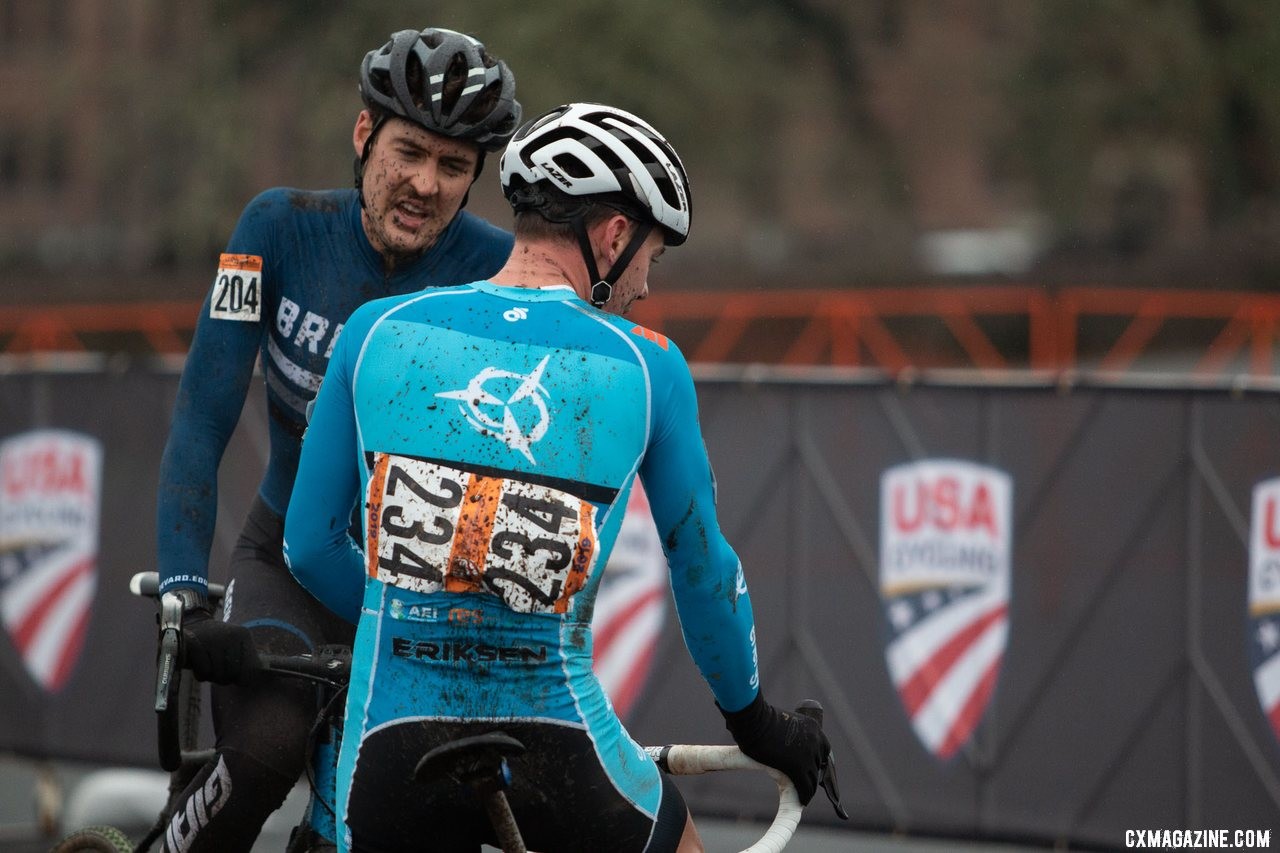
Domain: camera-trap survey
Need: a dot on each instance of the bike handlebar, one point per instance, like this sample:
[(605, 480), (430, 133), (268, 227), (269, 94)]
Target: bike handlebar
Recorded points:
[(330, 667), (692, 760), (147, 585)]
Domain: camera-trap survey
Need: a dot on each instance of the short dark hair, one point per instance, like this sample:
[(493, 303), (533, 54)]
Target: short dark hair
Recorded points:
[(553, 221)]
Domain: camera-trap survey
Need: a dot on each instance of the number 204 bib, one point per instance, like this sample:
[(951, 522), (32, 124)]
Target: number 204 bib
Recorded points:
[(237, 289), (432, 528)]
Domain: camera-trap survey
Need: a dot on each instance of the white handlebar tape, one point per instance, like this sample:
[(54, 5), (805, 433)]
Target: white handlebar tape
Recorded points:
[(691, 760)]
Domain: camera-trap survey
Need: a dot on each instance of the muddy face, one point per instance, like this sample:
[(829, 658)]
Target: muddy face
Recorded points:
[(414, 184), (633, 284)]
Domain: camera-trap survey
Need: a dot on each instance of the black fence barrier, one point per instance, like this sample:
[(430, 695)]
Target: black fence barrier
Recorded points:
[(1033, 612)]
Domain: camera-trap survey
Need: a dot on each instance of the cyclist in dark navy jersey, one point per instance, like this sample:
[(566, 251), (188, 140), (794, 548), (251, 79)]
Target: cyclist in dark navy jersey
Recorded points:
[(297, 265), (495, 430)]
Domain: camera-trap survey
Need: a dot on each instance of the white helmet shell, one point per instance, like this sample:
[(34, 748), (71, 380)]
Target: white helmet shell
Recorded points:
[(586, 149)]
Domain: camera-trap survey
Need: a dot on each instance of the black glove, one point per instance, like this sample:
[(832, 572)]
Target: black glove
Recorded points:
[(784, 740), (216, 651)]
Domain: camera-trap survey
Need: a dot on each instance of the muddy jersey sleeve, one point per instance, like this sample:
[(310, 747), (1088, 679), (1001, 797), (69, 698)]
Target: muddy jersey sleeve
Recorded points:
[(211, 395), (317, 542), (706, 575)]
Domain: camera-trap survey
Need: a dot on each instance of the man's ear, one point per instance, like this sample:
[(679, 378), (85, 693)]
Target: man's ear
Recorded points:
[(360, 134), (618, 229)]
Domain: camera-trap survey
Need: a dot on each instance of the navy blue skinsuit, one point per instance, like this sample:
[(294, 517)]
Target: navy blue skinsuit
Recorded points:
[(295, 268), (317, 267)]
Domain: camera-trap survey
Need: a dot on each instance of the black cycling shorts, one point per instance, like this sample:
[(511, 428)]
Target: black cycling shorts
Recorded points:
[(561, 798), (269, 719)]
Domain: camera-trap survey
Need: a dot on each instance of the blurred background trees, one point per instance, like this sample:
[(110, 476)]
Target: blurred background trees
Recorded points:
[(830, 143)]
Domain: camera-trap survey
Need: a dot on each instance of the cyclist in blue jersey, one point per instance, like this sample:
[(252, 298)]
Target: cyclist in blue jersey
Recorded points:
[(494, 431), (297, 265)]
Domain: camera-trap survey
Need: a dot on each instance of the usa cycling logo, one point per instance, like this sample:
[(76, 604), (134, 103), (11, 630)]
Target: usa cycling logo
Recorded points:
[(1264, 599), (50, 496), (512, 407), (945, 544)]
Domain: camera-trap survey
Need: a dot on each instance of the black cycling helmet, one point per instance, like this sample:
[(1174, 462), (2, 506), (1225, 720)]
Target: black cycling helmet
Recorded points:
[(416, 76), (406, 77), (594, 153)]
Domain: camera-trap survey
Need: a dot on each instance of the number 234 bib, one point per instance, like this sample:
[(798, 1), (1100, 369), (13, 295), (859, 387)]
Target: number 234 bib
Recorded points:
[(433, 528)]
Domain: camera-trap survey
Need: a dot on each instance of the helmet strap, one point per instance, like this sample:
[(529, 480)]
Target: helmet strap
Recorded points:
[(602, 288), (474, 177), (364, 156)]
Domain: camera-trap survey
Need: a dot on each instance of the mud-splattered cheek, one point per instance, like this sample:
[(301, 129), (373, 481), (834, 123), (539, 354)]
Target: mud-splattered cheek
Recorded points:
[(376, 189)]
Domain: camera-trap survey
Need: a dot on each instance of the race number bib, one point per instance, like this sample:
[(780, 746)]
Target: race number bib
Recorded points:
[(237, 289), (435, 528)]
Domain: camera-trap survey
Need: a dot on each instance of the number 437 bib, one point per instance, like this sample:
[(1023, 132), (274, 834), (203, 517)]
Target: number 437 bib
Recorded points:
[(237, 289), (435, 528)]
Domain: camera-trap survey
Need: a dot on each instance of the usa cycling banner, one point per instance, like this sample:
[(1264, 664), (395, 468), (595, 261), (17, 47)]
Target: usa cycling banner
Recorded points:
[(1127, 629), (50, 491), (631, 606), (1264, 599), (944, 588)]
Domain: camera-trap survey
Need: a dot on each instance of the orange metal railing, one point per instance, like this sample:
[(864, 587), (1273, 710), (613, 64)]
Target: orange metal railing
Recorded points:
[(854, 328), (989, 328), (1240, 320), (165, 327)]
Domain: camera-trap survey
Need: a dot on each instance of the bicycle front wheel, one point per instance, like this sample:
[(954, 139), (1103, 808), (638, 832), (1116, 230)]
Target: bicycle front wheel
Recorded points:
[(95, 839)]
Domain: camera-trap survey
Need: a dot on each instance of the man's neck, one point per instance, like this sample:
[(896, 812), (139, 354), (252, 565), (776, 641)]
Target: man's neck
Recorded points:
[(544, 264)]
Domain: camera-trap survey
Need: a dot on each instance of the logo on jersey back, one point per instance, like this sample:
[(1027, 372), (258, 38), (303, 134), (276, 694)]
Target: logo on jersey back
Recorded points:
[(511, 407)]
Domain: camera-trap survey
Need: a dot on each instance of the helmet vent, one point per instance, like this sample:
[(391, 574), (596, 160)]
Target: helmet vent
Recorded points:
[(572, 166), (665, 186), (445, 81)]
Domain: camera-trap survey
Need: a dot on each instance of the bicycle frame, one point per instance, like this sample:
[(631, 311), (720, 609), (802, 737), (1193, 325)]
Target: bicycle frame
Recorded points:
[(177, 718), (330, 667), (177, 705)]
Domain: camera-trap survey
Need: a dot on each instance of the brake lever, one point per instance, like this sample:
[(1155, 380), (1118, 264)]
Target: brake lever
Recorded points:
[(168, 679), (827, 772), (170, 650), (827, 781)]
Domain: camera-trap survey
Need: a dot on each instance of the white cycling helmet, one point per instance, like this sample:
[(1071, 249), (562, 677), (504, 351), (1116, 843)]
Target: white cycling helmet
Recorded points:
[(604, 153)]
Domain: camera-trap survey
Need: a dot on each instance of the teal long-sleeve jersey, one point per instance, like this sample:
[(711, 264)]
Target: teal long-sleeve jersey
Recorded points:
[(494, 434)]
